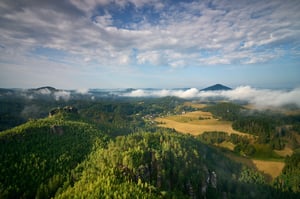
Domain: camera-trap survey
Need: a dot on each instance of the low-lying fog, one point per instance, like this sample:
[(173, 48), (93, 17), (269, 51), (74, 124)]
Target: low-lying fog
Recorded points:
[(260, 98)]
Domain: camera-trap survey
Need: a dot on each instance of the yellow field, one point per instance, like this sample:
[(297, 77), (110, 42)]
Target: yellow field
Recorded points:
[(194, 105), (271, 168), (191, 124), (197, 122), (285, 152), (227, 145)]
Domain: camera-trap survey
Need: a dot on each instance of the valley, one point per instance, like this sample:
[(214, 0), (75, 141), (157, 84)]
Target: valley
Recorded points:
[(198, 122), (149, 99), (109, 146)]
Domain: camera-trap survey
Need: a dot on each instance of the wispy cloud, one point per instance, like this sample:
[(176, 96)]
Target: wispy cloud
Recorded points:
[(93, 33), (223, 27)]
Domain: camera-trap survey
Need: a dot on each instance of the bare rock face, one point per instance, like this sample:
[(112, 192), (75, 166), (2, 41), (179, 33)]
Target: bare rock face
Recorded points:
[(213, 179), (54, 112), (57, 130), (70, 109)]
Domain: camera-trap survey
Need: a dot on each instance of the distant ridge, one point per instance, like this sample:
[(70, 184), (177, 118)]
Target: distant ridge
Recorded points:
[(46, 87), (217, 87)]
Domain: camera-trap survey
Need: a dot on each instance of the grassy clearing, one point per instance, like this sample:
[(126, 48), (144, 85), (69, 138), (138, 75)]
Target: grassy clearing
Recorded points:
[(179, 126), (227, 145), (285, 152), (265, 152), (272, 168), (243, 160), (194, 105), (265, 160), (196, 123)]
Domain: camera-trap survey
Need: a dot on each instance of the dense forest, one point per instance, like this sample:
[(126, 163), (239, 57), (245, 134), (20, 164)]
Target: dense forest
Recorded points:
[(271, 129), (112, 148)]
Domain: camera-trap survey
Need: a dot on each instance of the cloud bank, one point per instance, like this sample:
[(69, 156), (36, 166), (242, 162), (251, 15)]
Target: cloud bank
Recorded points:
[(260, 98), (48, 93)]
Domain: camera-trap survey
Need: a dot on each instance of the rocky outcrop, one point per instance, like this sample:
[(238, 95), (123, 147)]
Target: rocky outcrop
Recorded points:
[(66, 109), (57, 130)]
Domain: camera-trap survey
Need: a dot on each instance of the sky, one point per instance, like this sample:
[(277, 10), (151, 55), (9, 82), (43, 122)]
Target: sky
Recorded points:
[(149, 43)]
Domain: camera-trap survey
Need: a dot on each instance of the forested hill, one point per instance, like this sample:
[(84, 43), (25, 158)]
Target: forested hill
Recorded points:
[(115, 150), (216, 87), (38, 156), (63, 157), (163, 164)]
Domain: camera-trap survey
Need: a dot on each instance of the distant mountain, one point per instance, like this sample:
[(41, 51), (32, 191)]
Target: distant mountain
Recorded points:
[(6, 91), (51, 89), (217, 87)]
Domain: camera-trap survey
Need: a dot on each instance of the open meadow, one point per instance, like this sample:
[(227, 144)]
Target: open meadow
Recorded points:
[(271, 169), (196, 123)]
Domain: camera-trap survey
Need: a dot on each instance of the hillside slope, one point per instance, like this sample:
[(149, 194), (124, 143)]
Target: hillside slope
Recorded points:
[(163, 164), (216, 87), (63, 157), (38, 156)]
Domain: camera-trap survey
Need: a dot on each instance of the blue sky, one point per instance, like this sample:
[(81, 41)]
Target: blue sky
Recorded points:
[(149, 43)]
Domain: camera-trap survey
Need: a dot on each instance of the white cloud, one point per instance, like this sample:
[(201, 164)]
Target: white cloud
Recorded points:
[(261, 98), (138, 93), (264, 97), (82, 90), (64, 95), (189, 26), (104, 20), (44, 91), (189, 93), (178, 64), (89, 5), (152, 57)]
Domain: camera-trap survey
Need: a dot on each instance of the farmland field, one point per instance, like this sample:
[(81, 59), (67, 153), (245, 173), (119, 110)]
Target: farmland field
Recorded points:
[(268, 167), (196, 123), (285, 152), (272, 168)]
